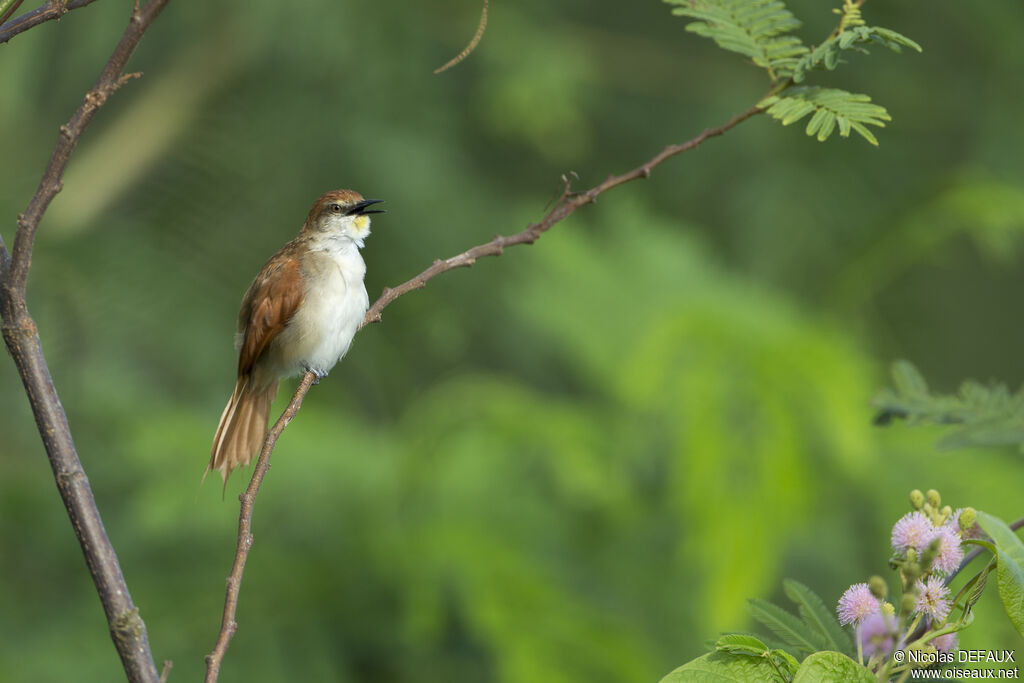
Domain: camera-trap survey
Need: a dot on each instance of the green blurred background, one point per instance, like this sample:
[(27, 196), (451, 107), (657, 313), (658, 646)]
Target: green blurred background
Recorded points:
[(572, 463)]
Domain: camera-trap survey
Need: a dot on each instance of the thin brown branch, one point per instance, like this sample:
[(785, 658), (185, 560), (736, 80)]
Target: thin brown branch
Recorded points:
[(472, 43), (563, 208), (566, 204), (52, 9), (19, 331), (228, 625)]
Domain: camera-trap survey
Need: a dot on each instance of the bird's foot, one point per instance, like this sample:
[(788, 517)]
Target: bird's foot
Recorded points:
[(320, 374)]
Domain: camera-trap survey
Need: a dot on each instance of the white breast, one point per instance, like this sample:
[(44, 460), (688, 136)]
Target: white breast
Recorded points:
[(321, 331)]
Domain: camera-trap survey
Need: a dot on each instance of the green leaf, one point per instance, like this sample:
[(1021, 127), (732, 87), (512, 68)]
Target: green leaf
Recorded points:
[(784, 659), (786, 626), (893, 40), (972, 591), (1009, 568), (758, 29), (827, 55), (994, 433), (722, 667), (908, 380), (817, 616), (852, 111), (988, 415), (741, 644), (827, 667)]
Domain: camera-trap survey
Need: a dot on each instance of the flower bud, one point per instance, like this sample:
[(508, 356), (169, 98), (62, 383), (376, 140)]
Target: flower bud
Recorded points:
[(946, 512), (911, 573), (887, 608), (916, 499), (908, 603), (934, 498), (968, 518), (879, 588), (929, 554)]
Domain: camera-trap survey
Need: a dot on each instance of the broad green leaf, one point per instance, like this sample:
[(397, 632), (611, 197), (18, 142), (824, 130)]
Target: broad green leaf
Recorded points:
[(818, 616), (721, 667), (1009, 568), (786, 626), (741, 644), (787, 660), (829, 667), (1001, 534)]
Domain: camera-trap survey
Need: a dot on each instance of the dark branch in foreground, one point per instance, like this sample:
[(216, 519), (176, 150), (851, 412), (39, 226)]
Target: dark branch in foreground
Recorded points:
[(52, 9), (228, 624), (567, 203), (19, 331)]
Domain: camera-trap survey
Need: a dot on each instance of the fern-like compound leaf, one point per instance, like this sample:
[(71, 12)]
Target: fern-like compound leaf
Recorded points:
[(759, 29), (832, 108), (827, 55), (984, 415)]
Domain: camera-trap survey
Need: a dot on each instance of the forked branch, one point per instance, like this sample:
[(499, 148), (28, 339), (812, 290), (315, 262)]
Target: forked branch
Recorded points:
[(50, 10), (19, 331)]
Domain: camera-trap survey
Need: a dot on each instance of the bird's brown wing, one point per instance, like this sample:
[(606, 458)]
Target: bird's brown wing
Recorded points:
[(269, 304)]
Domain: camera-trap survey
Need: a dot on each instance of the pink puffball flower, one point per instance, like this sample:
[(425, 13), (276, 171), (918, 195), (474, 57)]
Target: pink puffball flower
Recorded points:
[(913, 530), (877, 634), (857, 603), (951, 553), (933, 599)]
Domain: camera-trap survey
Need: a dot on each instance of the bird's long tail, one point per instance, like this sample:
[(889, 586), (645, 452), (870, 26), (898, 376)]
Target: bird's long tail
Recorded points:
[(242, 428)]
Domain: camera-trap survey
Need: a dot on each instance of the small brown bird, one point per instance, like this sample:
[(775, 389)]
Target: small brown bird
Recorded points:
[(300, 313)]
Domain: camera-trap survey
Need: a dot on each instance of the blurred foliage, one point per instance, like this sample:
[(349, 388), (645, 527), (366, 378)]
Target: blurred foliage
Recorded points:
[(575, 462), (988, 416)]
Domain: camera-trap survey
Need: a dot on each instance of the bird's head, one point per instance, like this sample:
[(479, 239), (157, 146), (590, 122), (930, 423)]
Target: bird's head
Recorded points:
[(341, 213)]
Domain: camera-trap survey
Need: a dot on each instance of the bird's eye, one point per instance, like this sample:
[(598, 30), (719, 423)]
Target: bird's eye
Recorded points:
[(335, 208)]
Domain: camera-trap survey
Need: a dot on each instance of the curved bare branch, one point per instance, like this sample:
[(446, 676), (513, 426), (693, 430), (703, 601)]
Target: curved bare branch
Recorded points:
[(19, 331), (567, 203)]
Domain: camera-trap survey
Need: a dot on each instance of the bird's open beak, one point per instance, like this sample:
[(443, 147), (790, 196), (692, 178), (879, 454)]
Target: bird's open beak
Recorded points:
[(359, 208)]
